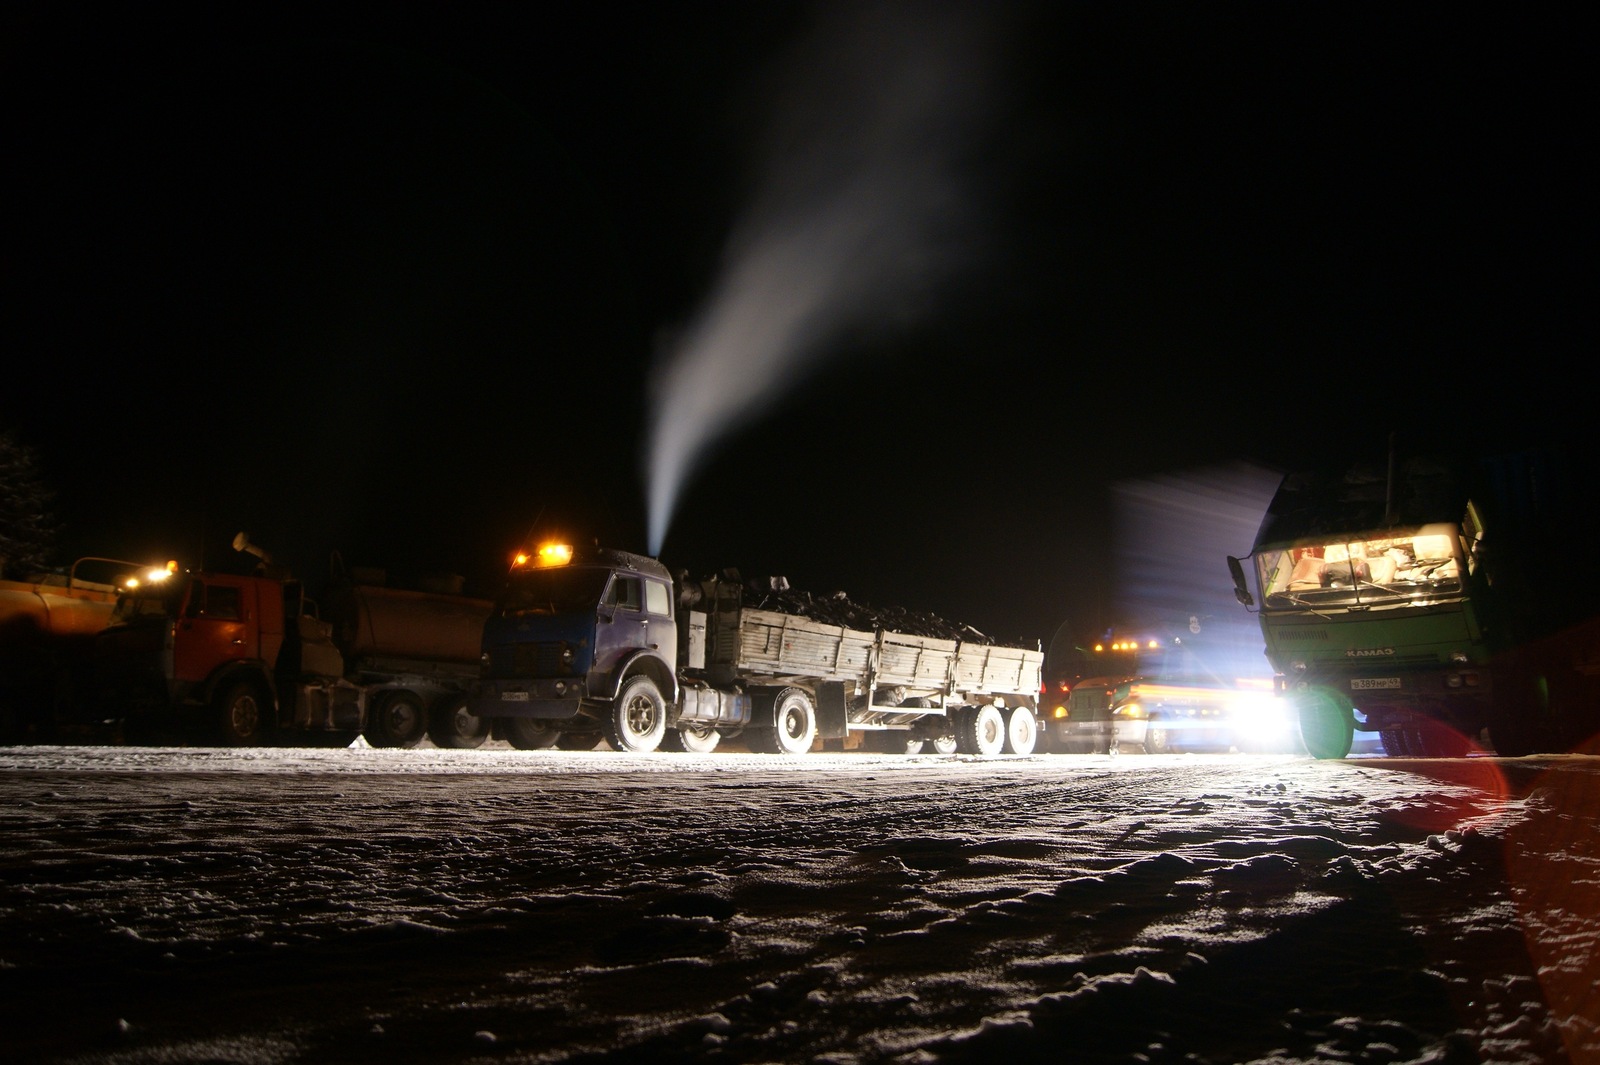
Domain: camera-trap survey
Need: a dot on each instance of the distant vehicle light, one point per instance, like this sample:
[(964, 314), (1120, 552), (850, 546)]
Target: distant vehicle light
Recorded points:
[(160, 574)]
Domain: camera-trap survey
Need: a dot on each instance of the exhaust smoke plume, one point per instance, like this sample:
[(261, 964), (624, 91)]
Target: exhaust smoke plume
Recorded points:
[(862, 211)]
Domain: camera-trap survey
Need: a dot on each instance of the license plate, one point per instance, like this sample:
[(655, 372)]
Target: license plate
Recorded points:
[(1361, 684), (522, 697)]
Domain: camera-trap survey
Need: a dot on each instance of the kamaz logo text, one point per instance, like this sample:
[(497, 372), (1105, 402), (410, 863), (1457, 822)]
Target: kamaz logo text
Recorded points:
[(1369, 652)]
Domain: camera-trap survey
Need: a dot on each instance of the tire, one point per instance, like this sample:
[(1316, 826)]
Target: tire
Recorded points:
[(398, 720), (1157, 737), (981, 730), (691, 739), (531, 733), (794, 725), (577, 741), (638, 718), (1022, 730), (1327, 724), (243, 716), (455, 727), (944, 744), (1395, 744)]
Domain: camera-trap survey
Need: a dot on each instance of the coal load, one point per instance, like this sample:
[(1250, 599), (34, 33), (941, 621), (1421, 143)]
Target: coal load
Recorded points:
[(837, 608)]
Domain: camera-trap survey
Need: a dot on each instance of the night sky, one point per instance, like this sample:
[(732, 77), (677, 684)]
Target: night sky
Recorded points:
[(393, 281)]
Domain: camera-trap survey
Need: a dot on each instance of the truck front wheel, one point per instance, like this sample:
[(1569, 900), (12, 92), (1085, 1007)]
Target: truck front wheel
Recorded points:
[(455, 727), (794, 725), (638, 717), (398, 720), (243, 716), (981, 730), (1327, 724)]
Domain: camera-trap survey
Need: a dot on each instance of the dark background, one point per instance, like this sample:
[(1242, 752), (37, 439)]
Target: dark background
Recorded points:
[(391, 281)]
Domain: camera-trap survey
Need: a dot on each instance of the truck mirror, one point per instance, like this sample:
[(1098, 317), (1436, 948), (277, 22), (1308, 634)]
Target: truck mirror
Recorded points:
[(1241, 590)]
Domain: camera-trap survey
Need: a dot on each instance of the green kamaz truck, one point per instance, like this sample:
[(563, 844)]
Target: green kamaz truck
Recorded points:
[(1440, 602)]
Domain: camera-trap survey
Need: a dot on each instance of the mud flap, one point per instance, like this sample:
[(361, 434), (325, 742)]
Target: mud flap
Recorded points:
[(831, 710)]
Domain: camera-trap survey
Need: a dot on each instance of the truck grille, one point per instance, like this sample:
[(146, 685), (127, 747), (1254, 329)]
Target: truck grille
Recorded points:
[(538, 660)]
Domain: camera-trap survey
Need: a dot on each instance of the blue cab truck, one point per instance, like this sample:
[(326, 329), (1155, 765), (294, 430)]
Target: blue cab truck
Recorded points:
[(603, 644), (1439, 601)]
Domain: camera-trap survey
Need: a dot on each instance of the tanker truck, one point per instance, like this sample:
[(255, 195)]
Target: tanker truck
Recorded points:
[(605, 644), (48, 623), (247, 659)]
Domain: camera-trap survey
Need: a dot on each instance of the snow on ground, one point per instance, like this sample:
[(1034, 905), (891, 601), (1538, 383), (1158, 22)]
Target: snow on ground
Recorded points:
[(274, 906)]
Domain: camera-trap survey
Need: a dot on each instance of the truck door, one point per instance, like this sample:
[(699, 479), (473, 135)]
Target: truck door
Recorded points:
[(214, 626), (621, 629)]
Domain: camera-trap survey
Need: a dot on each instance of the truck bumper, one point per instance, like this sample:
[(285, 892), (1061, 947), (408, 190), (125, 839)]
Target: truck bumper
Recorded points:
[(549, 699)]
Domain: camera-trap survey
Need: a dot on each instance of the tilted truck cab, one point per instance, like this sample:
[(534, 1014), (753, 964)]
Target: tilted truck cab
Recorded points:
[(1415, 600)]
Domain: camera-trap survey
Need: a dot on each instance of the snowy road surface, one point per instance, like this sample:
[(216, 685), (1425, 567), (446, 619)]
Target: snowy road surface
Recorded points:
[(270, 906)]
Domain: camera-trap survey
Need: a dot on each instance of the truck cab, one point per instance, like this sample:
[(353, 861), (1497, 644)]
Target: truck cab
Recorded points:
[(566, 639)]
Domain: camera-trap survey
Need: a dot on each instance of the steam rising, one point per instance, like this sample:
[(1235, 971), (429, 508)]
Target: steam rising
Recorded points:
[(863, 211)]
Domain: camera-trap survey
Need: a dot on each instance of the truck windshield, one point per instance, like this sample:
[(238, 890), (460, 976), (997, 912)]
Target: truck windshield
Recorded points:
[(149, 602), (568, 590), (1395, 567)]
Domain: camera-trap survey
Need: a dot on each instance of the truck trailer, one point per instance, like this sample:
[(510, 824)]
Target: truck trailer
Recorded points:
[(244, 659), (606, 644), (1431, 600)]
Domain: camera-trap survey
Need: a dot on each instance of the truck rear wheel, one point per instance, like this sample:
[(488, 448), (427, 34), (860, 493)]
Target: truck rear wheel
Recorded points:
[(1022, 730), (638, 717), (243, 716), (398, 720), (531, 733), (981, 730), (455, 727), (794, 725)]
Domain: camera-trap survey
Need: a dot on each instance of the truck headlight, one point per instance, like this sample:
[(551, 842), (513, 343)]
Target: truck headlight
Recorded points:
[(1131, 711)]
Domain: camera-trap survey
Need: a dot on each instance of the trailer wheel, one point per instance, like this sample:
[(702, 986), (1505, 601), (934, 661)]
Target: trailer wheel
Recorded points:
[(691, 739), (243, 716), (981, 730), (794, 725), (454, 727), (398, 720), (944, 743), (578, 741), (1022, 730), (1327, 724), (531, 733), (638, 717)]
